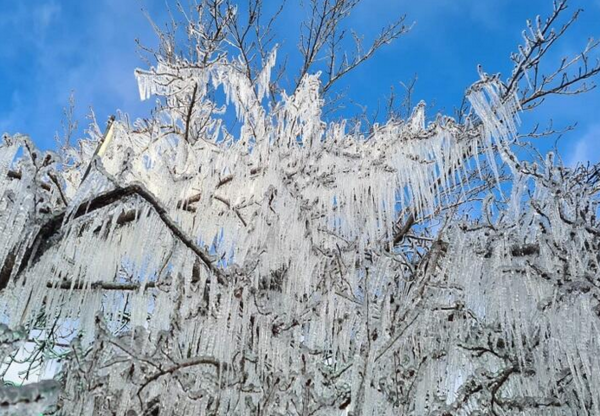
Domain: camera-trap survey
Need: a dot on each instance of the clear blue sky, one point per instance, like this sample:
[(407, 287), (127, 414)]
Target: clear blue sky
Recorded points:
[(51, 47)]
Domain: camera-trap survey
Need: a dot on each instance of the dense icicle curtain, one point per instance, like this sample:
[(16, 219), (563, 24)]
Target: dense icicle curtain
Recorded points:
[(201, 268)]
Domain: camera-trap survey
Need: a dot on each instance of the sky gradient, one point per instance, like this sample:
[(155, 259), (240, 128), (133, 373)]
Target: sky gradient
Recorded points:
[(49, 48)]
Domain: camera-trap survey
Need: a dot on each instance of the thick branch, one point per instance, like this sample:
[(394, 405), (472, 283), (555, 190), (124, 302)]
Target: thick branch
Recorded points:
[(49, 231), (79, 285)]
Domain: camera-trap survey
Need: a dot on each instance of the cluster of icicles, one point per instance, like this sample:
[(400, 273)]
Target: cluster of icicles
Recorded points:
[(302, 306)]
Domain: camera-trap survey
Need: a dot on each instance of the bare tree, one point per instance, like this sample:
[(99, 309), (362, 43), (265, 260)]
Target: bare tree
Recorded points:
[(172, 266)]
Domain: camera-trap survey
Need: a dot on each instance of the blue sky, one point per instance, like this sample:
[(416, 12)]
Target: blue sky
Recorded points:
[(49, 48)]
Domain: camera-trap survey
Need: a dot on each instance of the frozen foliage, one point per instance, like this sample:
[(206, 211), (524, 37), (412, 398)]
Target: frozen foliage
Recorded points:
[(295, 266)]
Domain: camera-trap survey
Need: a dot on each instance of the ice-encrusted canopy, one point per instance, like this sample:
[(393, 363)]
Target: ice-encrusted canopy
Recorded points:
[(201, 268)]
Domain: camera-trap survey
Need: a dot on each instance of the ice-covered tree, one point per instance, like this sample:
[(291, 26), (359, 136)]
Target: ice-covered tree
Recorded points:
[(288, 264)]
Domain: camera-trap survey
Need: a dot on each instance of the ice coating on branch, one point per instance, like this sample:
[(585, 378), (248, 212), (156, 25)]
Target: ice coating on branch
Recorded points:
[(30, 400), (17, 200), (497, 113), (201, 270), (264, 78)]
